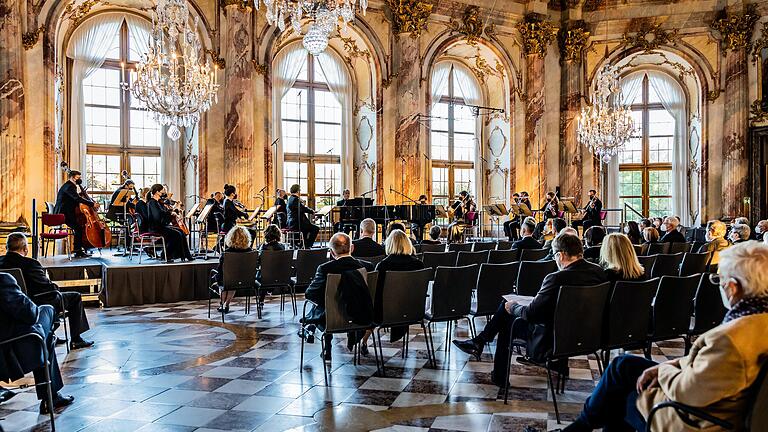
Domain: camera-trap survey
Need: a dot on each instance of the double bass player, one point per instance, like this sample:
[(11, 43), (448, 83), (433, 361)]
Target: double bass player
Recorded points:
[(69, 197)]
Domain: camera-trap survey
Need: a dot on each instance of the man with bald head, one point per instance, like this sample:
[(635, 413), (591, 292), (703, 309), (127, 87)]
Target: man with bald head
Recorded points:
[(341, 248)]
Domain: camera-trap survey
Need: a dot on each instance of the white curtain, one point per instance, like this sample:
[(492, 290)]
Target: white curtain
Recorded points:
[(673, 99), (88, 49), (139, 31), (286, 67), (440, 75), (170, 159), (469, 89), (340, 84)]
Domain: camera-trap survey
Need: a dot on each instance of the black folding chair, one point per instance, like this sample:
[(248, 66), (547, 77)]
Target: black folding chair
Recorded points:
[(276, 270), (468, 258), (694, 263), (708, 310), (647, 262), (679, 247), (460, 247), (672, 309), (503, 245), (533, 254), (657, 248), (451, 300), (628, 316), (493, 281), (432, 247), (483, 246), (239, 274), (531, 275), (434, 260), (374, 260), (504, 256), (666, 265), (307, 262)]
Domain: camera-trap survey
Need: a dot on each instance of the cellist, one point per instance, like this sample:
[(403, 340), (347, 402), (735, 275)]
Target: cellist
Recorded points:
[(69, 197), (159, 221)]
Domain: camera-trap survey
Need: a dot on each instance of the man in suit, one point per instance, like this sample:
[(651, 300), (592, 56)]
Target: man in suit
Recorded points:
[(540, 313), (366, 246), (672, 235), (37, 283), (67, 200), (341, 248), (591, 212), (760, 229), (527, 241), (739, 233), (19, 315), (298, 219)]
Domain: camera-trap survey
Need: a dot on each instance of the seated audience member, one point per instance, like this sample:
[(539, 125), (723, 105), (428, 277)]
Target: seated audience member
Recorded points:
[(650, 235), (716, 242), (741, 220), (633, 232), (526, 240), (567, 230), (657, 223), (715, 377), (237, 240), (434, 236), (618, 258), (558, 225), (395, 226), (573, 270), (672, 235), (645, 223), (366, 246), (341, 248), (272, 237), (739, 233), (760, 229), (19, 315), (593, 239), (37, 283)]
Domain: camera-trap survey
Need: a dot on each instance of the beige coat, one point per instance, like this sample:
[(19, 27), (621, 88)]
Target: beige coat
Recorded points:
[(715, 376)]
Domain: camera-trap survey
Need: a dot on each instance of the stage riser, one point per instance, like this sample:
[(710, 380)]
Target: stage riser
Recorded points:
[(126, 286)]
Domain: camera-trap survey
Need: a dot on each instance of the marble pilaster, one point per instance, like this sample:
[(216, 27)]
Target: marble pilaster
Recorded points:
[(570, 151), (735, 162), (407, 137), (534, 179)]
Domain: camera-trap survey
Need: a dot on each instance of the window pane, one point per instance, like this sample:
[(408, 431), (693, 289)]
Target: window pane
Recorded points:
[(637, 122), (327, 108), (464, 181), (144, 131), (327, 183), (327, 139), (439, 144), (464, 147), (293, 172), (318, 76), (145, 170), (465, 119), (294, 137), (636, 203), (102, 125), (660, 207), (114, 50), (659, 182), (439, 121), (660, 123), (102, 87), (102, 172), (294, 105), (141, 34), (632, 152), (630, 183), (660, 149), (440, 182)]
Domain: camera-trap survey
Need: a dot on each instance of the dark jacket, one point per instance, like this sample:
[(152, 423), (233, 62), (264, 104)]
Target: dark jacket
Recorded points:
[(215, 215), (592, 253), (367, 247), (614, 276), (281, 217), (593, 213), (142, 209), (220, 268), (316, 290), (18, 315), (430, 242), (673, 236), (34, 274), (158, 217), (67, 199), (297, 213), (231, 215), (273, 246), (541, 311), (526, 243)]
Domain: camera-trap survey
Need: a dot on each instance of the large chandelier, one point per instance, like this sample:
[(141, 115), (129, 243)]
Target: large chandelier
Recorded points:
[(606, 125), (325, 16), (172, 80)]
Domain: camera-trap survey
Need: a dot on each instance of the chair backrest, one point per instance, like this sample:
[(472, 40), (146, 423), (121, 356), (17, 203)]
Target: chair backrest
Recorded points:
[(239, 269), (276, 267), (679, 247), (647, 262), (657, 248), (533, 254), (603, 215), (52, 219), (373, 281), (307, 262), (404, 296), (437, 259), (483, 246), (503, 256), (467, 258), (579, 316), (532, 274), (672, 306), (335, 321), (757, 416), (708, 309), (374, 260), (638, 249), (16, 273), (503, 245), (694, 263), (432, 247), (49, 206), (667, 265), (457, 247), (494, 281), (628, 315), (452, 291)]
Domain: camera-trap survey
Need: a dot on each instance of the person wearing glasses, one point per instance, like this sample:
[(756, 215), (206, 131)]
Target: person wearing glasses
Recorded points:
[(715, 377)]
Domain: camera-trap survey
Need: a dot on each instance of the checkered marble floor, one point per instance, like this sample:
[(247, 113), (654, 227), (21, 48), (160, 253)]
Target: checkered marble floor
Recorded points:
[(168, 367)]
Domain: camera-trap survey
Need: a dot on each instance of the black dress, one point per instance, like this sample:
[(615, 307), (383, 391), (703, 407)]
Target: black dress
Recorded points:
[(159, 221), (392, 263), (614, 276)]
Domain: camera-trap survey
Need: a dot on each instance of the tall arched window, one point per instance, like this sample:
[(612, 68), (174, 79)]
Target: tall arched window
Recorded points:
[(453, 132)]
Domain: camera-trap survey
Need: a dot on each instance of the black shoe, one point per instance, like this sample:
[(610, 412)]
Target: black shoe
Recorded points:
[(471, 347), (306, 335), (60, 341), (81, 254), (364, 349), (59, 401), (82, 343), (6, 394)]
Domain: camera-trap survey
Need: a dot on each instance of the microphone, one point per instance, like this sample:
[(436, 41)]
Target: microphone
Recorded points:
[(262, 189), (274, 142)]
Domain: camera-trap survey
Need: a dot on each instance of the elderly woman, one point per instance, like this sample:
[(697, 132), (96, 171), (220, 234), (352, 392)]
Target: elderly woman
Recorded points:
[(716, 242), (650, 235), (715, 377), (237, 240), (739, 233)]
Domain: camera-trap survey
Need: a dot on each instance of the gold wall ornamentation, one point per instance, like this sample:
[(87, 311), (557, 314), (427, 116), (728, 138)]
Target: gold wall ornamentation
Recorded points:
[(386, 82), (537, 34), (572, 41), (30, 38), (471, 25), (713, 95), (756, 113), (216, 58), (241, 4), (760, 44), (260, 68), (647, 36), (77, 12), (410, 16), (735, 29), (354, 52)]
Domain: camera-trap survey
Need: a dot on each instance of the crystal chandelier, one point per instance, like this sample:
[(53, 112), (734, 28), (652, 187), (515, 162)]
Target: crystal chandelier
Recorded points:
[(325, 16), (171, 80), (606, 125)]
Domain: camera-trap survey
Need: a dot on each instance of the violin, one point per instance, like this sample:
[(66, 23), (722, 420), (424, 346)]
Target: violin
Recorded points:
[(96, 233), (177, 219)]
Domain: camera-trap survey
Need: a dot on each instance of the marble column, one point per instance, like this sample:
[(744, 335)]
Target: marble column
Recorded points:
[(239, 147), (407, 137), (735, 161), (534, 174), (12, 185), (572, 43)]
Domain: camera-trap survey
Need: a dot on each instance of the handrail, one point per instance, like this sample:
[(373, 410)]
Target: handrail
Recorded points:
[(624, 214)]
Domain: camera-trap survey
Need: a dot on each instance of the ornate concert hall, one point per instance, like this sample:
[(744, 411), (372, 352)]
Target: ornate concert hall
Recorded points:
[(389, 215)]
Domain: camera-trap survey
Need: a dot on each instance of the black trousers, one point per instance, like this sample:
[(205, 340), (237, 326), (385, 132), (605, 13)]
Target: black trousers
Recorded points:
[(309, 231), (511, 229), (501, 325), (176, 246), (418, 232), (586, 223), (45, 320), (71, 222), (73, 304)]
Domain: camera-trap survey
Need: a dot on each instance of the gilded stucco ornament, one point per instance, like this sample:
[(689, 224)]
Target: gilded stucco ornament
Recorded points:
[(537, 34), (30, 38), (735, 29), (760, 44), (648, 36), (572, 42), (260, 68), (410, 16), (471, 25), (216, 59), (77, 12), (756, 113)]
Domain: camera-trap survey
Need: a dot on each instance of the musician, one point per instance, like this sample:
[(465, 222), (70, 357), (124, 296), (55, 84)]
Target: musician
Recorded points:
[(141, 209), (591, 212), (416, 228), (115, 212), (512, 226), (298, 219), (69, 197), (461, 207), (216, 215), (159, 221), (343, 202), (550, 210), (233, 211), (281, 214)]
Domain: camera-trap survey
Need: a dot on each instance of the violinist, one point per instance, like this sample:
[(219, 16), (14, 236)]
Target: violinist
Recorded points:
[(159, 221), (281, 213), (461, 209), (551, 210), (115, 211), (142, 211), (69, 197), (298, 219), (591, 212), (233, 210)]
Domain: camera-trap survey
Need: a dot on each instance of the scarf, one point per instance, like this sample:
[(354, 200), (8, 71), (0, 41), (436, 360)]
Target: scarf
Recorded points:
[(747, 306)]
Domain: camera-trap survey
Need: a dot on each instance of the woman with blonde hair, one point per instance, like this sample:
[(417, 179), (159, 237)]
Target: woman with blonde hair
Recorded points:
[(237, 240), (618, 258)]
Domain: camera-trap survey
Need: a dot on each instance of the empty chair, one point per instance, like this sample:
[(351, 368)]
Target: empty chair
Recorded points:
[(503, 245), (503, 256), (276, 271), (657, 248), (628, 317), (672, 307), (432, 247), (483, 246), (451, 299), (647, 262), (437, 259), (533, 254), (679, 247), (666, 265), (239, 274), (708, 309), (459, 247), (532, 274), (694, 263), (467, 258), (307, 262), (493, 281)]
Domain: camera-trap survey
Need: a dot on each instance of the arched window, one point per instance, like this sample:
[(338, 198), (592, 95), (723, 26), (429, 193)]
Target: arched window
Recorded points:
[(453, 132)]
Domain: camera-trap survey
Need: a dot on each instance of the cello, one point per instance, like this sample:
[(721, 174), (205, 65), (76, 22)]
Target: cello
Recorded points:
[(96, 233)]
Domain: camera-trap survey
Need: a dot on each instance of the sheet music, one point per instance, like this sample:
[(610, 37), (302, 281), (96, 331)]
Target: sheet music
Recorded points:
[(324, 211), (255, 213), (519, 299), (269, 213), (192, 210)]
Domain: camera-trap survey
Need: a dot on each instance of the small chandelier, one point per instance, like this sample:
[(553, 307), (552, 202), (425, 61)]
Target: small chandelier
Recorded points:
[(606, 125), (325, 16), (171, 80)]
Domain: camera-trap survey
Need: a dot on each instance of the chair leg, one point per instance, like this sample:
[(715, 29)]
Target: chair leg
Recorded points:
[(688, 343), (430, 354), (66, 331), (407, 339), (375, 350), (381, 352), (554, 395), (303, 332), (431, 346), (322, 354), (48, 385), (293, 300), (509, 366)]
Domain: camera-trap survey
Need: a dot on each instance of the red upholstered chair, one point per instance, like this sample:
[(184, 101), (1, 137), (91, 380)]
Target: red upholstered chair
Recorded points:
[(603, 215), (55, 232)]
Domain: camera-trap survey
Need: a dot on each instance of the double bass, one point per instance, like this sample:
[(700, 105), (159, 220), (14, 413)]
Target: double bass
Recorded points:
[(96, 233)]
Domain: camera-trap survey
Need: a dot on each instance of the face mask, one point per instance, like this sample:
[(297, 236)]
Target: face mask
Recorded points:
[(724, 298), (626, 230), (758, 230), (663, 228), (79, 181)]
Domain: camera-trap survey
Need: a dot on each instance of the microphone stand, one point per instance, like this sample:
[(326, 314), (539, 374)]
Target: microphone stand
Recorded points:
[(402, 195), (363, 195)]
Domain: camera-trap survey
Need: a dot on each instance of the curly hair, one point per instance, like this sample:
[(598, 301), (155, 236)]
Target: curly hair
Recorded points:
[(238, 237)]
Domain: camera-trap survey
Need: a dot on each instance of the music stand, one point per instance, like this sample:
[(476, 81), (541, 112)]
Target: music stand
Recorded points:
[(192, 210), (496, 211), (269, 213), (524, 209), (567, 208), (254, 214), (122, 200), (441, 212)]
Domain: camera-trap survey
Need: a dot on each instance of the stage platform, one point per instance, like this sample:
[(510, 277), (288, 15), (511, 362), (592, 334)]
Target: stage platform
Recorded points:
[(114, 280)]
